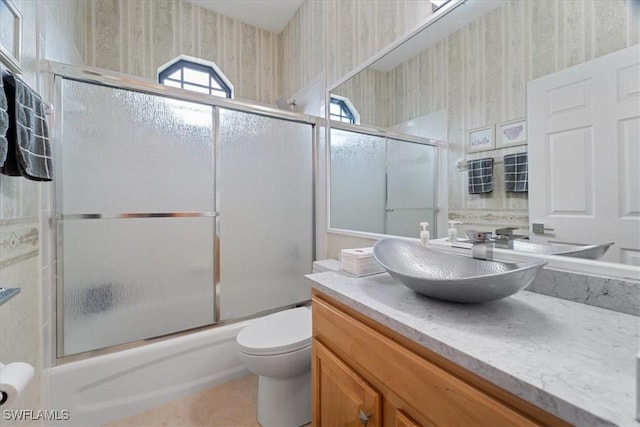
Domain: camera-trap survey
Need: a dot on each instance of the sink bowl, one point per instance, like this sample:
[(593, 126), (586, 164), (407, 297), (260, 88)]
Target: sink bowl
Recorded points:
[(451, 277)]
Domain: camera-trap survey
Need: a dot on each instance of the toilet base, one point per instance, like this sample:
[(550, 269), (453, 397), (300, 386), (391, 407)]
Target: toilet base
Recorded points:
[(284, 402)]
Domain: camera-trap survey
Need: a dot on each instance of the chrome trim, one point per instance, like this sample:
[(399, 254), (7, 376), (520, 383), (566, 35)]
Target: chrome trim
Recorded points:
[(58, 72), (314, 172), (387, 135), (436, 191), (125, 81), (216, 203), (386, 186), (383, 133), (145, 341), (57, 225), (133, 215)]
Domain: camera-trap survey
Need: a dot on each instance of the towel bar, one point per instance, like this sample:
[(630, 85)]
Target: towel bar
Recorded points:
[(48, 108), (10, 82)]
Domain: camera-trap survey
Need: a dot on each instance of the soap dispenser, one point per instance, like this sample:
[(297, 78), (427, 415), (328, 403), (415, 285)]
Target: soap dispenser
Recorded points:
[(453, 232), (424, 234)]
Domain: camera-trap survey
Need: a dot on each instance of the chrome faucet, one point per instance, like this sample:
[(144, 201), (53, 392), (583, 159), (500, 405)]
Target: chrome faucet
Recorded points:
[(484, 241), (483, 250), (505, 237), (483, 244)]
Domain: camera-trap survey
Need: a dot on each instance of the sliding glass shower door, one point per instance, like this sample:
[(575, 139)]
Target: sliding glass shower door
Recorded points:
[(411, 187), (174, 211), (136, 216), (265, 182), (380, 184)]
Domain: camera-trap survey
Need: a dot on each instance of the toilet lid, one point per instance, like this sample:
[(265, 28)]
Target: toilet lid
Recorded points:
[(277, 333)]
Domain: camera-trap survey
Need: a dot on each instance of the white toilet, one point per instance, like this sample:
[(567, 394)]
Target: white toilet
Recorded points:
[(277, 348)]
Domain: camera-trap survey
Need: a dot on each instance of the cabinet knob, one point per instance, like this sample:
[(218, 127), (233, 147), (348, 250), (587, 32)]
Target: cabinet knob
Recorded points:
[(364, 418)]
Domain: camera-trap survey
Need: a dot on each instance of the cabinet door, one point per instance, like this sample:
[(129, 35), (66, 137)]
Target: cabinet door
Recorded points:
[(404, 420), (340, 396)]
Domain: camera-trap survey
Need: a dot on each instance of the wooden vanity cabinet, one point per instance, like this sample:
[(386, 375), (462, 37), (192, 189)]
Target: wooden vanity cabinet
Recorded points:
[(344, 397), (364, 374)]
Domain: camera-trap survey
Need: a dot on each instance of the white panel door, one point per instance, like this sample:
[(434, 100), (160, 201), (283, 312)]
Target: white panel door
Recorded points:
[(584, 154)]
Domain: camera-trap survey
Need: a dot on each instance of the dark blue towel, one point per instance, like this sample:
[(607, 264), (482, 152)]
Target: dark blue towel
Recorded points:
[(516, 173), (4, 121), (480, 176), (29, 150)]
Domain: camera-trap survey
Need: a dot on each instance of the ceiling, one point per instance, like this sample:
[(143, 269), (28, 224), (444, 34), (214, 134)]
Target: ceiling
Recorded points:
[(272, 15)]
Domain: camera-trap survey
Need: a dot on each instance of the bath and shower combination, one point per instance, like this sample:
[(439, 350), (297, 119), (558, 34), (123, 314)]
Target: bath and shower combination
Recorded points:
[(174, 212)]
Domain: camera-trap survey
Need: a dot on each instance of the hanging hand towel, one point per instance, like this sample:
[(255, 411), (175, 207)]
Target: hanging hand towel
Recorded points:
[(29, 151), (480, 176), (516, 174), (4, 121)]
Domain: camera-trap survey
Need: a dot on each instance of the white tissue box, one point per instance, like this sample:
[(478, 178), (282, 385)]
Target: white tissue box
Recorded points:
[(359, 262)]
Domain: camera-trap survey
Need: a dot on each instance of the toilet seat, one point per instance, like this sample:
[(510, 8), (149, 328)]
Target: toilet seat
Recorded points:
[(278, 333)]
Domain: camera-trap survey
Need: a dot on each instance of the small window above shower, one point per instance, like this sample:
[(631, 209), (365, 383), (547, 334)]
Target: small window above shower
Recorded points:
[(342, 110), (197, 75)]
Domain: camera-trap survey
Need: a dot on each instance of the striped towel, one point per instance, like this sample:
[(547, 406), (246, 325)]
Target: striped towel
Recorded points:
[(516, 174), (480, 176), (4, 121), (29, 151)]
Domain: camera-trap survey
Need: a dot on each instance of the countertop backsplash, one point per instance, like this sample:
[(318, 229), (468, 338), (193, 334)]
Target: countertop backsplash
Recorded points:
[(617, 294)]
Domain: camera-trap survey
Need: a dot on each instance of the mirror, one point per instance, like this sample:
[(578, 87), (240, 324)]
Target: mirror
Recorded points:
[(381, 184), (463, 79)]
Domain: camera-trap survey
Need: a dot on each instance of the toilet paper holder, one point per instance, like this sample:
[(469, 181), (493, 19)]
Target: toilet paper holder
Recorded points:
[(7, 293), (14, 378)]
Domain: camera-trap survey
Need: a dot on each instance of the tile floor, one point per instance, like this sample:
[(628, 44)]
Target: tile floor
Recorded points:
[(230, 405)]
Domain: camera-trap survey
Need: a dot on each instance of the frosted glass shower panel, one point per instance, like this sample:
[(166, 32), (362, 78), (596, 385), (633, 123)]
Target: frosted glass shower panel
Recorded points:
[(126, 151), (265, 184), (357, 181), (411, 175), (131, 279), (123, 277)]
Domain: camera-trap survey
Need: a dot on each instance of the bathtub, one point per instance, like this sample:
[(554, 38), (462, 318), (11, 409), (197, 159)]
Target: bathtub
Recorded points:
[(107, 388)]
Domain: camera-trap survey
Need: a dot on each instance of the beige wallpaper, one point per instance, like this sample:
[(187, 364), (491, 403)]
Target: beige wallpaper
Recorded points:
[(324, 41), (370, 92), (335, 36), (138, 36), (479, 74)]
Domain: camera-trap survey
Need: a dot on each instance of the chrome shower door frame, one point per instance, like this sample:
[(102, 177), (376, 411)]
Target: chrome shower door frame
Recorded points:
[(387, 135), (59, 72)]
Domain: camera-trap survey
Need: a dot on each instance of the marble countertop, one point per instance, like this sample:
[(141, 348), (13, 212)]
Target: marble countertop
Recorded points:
[(575, 361)]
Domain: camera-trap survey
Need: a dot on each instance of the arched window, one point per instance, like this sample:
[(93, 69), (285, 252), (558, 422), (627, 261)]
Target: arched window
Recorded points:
[(196, 75), (342, 110)]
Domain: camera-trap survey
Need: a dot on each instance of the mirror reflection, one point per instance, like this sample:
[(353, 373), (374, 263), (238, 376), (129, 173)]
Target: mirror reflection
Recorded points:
[(381, 184), (469, 78)]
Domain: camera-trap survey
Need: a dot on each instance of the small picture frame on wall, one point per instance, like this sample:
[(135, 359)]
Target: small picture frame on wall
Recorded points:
[(481, 139), (10, 35), (511, 133)]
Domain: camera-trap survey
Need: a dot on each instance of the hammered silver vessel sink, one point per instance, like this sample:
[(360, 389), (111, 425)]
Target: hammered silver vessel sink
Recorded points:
[(452, 277)]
